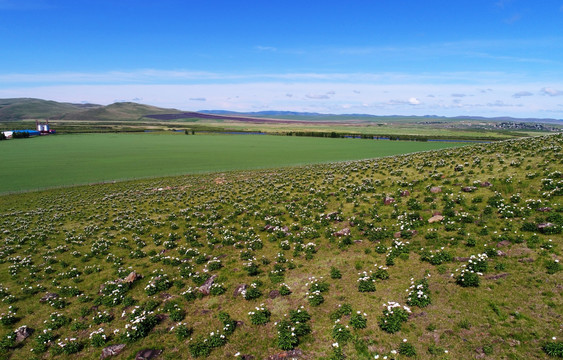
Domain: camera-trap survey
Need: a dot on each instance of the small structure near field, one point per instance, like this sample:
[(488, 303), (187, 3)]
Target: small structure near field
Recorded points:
[(44, 128)]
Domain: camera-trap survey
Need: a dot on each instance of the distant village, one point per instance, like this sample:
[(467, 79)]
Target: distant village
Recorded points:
[(40, 129)]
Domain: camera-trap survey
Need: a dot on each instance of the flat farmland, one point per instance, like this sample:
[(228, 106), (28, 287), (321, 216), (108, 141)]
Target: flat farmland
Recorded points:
[(64, 160)]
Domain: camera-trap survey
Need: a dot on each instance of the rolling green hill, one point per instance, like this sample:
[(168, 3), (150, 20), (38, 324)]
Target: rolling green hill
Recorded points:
[(27, 108)]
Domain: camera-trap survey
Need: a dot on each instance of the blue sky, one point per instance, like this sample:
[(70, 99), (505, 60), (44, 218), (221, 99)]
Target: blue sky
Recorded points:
[(480, 57)]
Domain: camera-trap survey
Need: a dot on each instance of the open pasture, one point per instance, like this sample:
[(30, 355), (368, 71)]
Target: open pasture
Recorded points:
[(448, 254), (53, 161)]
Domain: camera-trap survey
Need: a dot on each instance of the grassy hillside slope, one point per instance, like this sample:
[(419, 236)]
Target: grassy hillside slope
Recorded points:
[(26, 108), (321, 251), (122, 111)]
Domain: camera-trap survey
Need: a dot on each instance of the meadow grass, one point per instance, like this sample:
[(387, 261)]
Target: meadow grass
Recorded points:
[(52, 161), (304, 220)]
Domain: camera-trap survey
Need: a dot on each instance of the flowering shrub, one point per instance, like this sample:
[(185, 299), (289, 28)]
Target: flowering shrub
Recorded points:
[(182, 331), (67, 346), (340, 332), (394, 315), (317, 284), (436, 258), (365, 282), (287, 339), (285, 289), (315, 298), (98, 338), (358, 320), (337, 353), (190, 294), (260, 315), (252, 292), (139, 326), (553, 266), (102, 317), (158, 283), (407, 349), (290, 330), (217, 289), (9, 317), (57, 321), (380, 273), (113, 293), (419, 294)]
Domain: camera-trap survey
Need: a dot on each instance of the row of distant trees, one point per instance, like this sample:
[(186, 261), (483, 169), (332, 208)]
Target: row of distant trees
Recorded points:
[(20, 135), (15, 135), (357, 136)]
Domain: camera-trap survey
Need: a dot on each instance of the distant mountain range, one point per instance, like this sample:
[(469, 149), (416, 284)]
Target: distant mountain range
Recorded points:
[(17, 109), (422, 118)]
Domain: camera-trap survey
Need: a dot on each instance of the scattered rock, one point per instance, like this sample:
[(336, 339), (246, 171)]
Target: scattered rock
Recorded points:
[(343, 232), (239, 289), (132, 277), (545, 225), (435, 189), (501, 253), (206, 287), (286, 355), (48, 297), (513, 342), (161, 317), (165, 296), (22, 333), (480, 353), (485, 184), (148, 354), (461, 258), (274, 294), (503, 243), (526, 260), (388, 200), (468, 189), (435, 218), (545, 209), (458, 168), (247, 357), (112, 350), (405, 193), (496, 277)]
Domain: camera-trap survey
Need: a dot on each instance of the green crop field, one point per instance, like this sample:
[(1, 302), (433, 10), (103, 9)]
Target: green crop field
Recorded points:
[(80, 159)]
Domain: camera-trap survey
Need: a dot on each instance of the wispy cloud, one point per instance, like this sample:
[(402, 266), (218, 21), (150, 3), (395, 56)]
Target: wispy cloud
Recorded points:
[(520, 94), (198, 99), (266, 48)]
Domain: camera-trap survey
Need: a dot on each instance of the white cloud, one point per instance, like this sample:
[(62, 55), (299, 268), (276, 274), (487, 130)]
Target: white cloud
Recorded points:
[(414, 101), (317, 96), (551, 91)]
